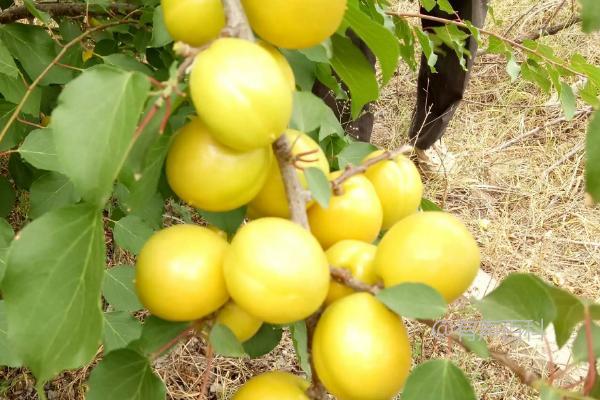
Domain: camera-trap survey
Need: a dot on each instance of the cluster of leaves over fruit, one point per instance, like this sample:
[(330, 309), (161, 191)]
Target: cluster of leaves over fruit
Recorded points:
[(90, 184)]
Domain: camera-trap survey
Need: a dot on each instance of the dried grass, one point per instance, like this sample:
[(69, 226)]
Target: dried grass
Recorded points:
[(526, 210)]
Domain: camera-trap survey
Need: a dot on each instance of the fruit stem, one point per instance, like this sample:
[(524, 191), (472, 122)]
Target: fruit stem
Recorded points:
[(237, 22)]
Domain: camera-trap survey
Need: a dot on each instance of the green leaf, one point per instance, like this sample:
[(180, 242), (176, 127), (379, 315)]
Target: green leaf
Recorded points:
[(7, 197), (513, 68), (127, 63), (413, 300), (404, 32), (590, 13), (7, 64), (131, 233), (428, 47), (228, 221), (304, 69), (497, 46), (160, 35), (119, 288), (550, 393), (105, 104), (156, 333), (319, 53), (125, 375), (16, 131), (224, 342), (356, 72), (51, 191), (308, 112), (580, 345), (8, 358), (592, 172), (120, 329), (35, 50), (264, 341), (300, 341), (428, 205), (38, 150), (41, 15), (569, 312), (52, 290), (13, 91), (522, 297), (428, 4), (436, 380), (319, 185), (477, 345), (354, 153), (379, 40), (568, 101), (445, 6), (6, 237)]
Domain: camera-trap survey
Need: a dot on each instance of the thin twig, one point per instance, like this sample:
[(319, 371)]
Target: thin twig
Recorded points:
[(183, 335), (489, 33), (207, 374), (13, 14), (591, 377), (345, 277), (352, 170), (549, 31), (579, 147), (555, 13), (41, 76)]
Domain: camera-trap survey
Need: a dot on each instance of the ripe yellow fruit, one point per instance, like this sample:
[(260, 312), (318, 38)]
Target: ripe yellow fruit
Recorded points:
[(271, 201), (194, 22), (282, 62), (179, 273), (361, 349), (295, 24), (356, 214), (241, 94), (213, 177), (275, 385), (276, 271), (398, 186), (242, 324), (355, 256), (433, 248)]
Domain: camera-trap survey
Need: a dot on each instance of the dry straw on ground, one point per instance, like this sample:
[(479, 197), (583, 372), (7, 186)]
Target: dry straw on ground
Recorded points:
[(524, 203)]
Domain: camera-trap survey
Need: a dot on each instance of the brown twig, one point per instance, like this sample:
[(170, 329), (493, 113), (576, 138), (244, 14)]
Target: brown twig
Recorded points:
[(25, 122), (513, 43), (13, 14), (549, 31), (352, 170), (41, 76), (345, 277), (183, 335), (207, 373), (591, 377)]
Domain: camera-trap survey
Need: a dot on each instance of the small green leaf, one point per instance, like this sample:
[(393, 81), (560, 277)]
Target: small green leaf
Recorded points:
[(446, 7), (513, 68), (428, 205), (521, 297), (438, 379), (6, 236), (477, 345), (354, 153), (355, 71), (119, 288), (156, 333), (569, 312), (590, 13), (568, 101), (13, 91), (265, 340), (428, 47), (224, 342), (160, 35), (319, 185), (8, 358), (497, 46), (125, 375), (127, 63), (580, 345), (50, 191), (120, 329), (300, 341), (105, 103), (38, 150), (308, 112), (131, 233), (428, 4), (413, 300), (228, 221), (592, 172), (303, 68), (404, 33), (7, 197), (52, 290)]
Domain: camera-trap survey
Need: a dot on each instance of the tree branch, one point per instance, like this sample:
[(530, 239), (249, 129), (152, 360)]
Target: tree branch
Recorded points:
[(352, 170), (549, 31), (513, 43), (591, 377), (13, 14)]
